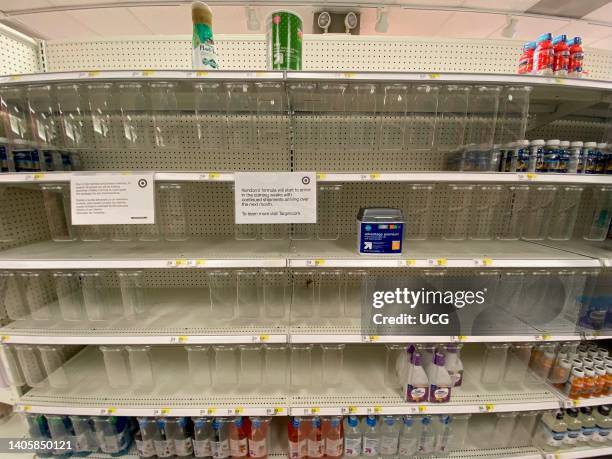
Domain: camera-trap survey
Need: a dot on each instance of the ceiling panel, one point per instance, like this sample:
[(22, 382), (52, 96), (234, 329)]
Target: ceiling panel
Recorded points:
[(11, 5), (166, 20), (604, 43), (589, 32), (510, 5), (55, 25), (471, 25), (603, 14), (111, 21)]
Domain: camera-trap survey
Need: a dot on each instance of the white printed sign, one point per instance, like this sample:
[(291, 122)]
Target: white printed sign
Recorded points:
[(112, 198), (275, 197)]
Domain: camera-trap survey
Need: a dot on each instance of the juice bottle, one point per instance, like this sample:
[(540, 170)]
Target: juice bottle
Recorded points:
[(588, 383), (298, 445), (371, 437), (560, 373), (526, 60), (258, 437), (601, 377), (315, 438), (543, 55), (588, 425), (603, 353), (334, 440), (603, 422), (576, 56), (561, 55), (575, 384), (440, 381), (238, 438), (608, 386), (574, 427), (551, 431), (352, 437), (427, 435)]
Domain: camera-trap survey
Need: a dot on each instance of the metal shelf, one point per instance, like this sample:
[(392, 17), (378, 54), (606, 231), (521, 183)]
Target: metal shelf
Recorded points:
[(341, 177), (475, 78), (580, 453), (173, 394), (194, 253), (438, 253)]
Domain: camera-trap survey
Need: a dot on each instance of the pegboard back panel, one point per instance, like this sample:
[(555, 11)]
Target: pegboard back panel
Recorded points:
[(332, 52), (17, 54), (587, 131)]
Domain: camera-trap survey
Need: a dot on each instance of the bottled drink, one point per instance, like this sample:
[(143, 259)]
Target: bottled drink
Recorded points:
[(403, 365), (333, 436), (600, 381), (352, 437), (371, 437), (560, 373), (526, 60), (409, 437), (238, 438), (315, 438), (576, 56), (298, 443), (389, 436), (575, 384), (427, 435), (602, 157), (588, 425), (536, 156), (551, 156), (258, 437), (574, 427), (543, 55), (590, 157), (440, 381), (202, 437), (164, 447), (454, 365), (603, 423), (561, 56), (588, 383), (551, 431), (564, 156), (220, 447), (575, 154), (417, 384), (443, 432)]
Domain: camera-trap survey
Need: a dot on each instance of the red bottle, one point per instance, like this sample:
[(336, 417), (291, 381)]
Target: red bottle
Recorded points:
[(238, 438), (576, 56), (526, 60), (562, 55), (298, 440), (543, 55)]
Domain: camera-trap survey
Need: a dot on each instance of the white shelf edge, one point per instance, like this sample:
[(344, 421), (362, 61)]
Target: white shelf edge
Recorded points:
[(342, 177), (145, 263), (580, 453), (218, 410), (567, 402), (395, 262), (93, 75), (304, 338), (128, 339)]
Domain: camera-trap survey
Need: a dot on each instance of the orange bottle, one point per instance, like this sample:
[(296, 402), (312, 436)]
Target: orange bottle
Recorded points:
[(258, 438), (588, 387), (238, 438), (608, 386), (575, 384), (601, 377)]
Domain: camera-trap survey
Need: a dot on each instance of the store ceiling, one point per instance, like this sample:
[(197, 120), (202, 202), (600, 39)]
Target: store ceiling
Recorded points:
[(78, 19)]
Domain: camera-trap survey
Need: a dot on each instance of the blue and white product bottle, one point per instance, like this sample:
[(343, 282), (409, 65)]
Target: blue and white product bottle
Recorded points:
[(551, 156), (564, 156), (409, 437), (603, 423), (177, 431), (219, 445), (602, 158), (590, 157), (444, 434), (164, 446), (371, 437), (149, 433), (61, 431), (417, 383), (352, 437), (440, 381), (454, 365), (85, 437), (389, 436), (536, 156), (427, 435), (202, 437), (551, 431)]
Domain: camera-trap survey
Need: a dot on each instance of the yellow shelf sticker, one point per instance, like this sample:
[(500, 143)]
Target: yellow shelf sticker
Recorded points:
[(410, 262), (211, 410), (4, 338), (375, 176), (180, 263), (93, 73), (200, 73), (531, 176), (319, 262), (349, 74), (39, 176), (214, 176), (434, 76), (239, 410), (26, 408), (264, 338), (422, 408), (377, 409), (315, 410), (182, 339), (441, 261), (352, 409), (200, 262), (14, 77), (164, 411), (148, 73), (487, 261), (321, 176), (279, 410)]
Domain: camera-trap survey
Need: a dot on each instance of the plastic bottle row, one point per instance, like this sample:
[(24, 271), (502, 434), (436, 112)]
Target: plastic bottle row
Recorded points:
[(247, 116), (319, 436), (476, 212), (554, 156)]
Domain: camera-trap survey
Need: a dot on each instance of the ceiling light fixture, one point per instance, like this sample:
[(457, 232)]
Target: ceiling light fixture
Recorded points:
[(251, 19), (382, 20), (509, 31), (324, 20), (350, 21)]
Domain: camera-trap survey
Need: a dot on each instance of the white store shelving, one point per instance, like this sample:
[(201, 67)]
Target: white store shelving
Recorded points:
[(173, 394)]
